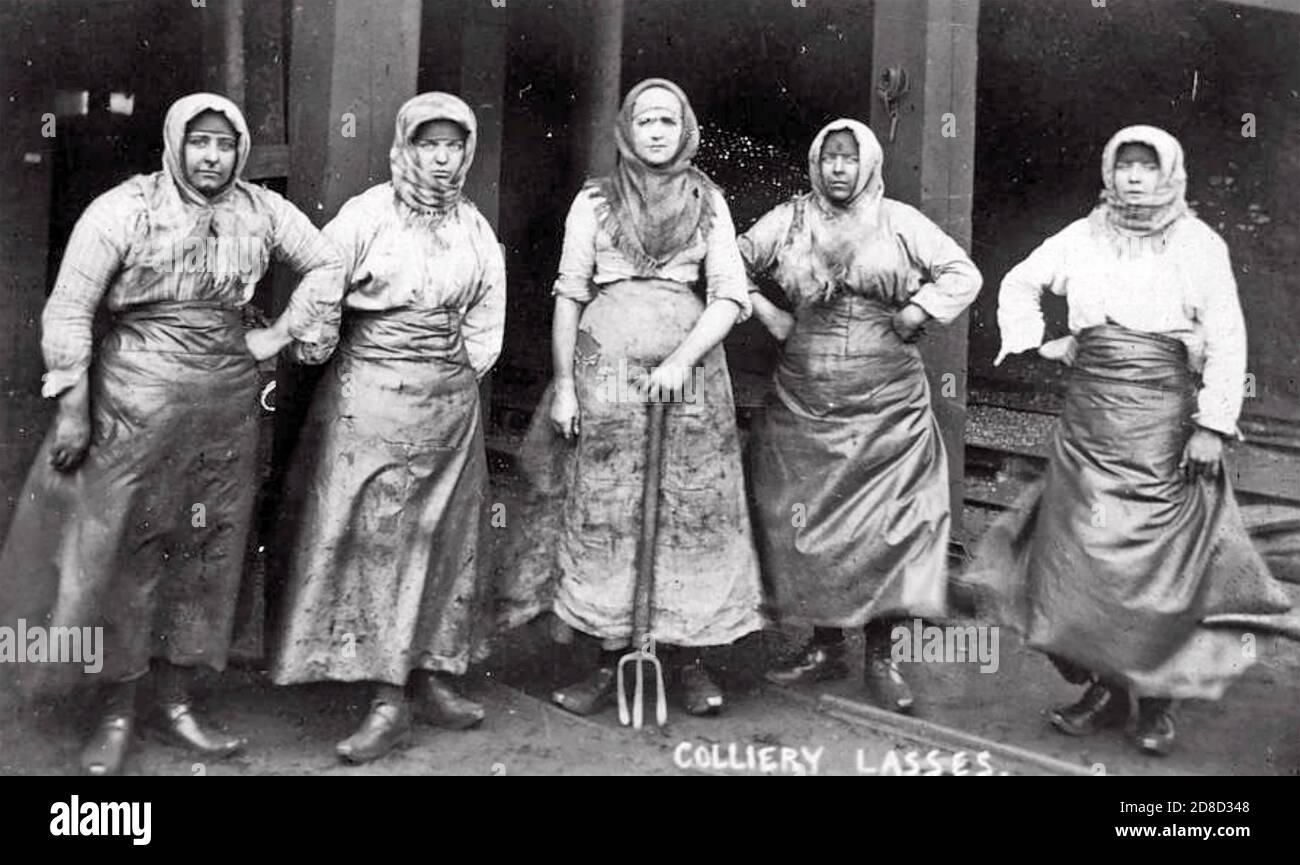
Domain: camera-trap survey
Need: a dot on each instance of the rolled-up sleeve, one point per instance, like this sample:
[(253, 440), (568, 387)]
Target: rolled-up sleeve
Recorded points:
[(952, 280), (483, 322), (758, 246), (724, 268), (314, 311), (578, 255), (94, 255), (1020, 301), (1218, 404)]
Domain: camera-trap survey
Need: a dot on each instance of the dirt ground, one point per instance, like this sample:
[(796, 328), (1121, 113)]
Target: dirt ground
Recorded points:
[(1253, 730)]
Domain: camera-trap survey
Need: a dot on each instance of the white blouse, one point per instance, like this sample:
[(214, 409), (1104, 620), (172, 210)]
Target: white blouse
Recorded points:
[(1187, 291)]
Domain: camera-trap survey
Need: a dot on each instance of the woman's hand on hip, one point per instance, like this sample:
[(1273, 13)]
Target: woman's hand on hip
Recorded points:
[(1203, 455), (266, 342), (1063, 350), (780, 325), (566, 413), (909, 322)]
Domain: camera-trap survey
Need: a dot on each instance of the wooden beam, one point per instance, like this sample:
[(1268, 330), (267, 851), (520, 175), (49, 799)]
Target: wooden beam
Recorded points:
[(353, 65), (930, 164)]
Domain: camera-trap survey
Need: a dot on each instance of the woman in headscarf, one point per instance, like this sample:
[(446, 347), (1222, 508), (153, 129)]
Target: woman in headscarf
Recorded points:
[(628, 326), (384, 580), (1130, 565), (134, 516), (849, 473)]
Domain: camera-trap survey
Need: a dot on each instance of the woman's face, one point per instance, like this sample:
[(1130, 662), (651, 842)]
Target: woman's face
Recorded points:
[(1137, 171), (840, 165), (211, 147), (656, 126), (440, 147)]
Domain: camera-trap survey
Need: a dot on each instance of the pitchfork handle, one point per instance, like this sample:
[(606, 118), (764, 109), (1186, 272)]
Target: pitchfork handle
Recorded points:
[(645, 548)]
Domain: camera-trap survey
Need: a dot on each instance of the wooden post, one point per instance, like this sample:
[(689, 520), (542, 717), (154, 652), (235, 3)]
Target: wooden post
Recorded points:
[(223, 49), (602, 94), (930, 165), (483, 87), (352, 66)]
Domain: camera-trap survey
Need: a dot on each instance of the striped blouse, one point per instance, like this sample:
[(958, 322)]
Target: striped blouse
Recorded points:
[(121, 252)]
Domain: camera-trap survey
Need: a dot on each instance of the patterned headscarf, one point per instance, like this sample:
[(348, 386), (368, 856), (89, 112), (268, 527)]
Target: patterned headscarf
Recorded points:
[(843, 230), (417, 188), (651, 212), (1155, 213)]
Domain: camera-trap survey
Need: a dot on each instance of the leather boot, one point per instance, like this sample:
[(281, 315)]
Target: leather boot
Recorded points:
[(178, 724), (105, 751), (387, 726), (441, 705), (699, 694), (884, 682), (813, 663), (1155, 732), (1100, 706), (885, 685), (594, 693)]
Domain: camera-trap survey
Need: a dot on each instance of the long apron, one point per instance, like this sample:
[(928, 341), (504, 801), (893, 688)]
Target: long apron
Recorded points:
[(1115, 563), (146, 539), (850, 478), (577, 548), (389, 492)]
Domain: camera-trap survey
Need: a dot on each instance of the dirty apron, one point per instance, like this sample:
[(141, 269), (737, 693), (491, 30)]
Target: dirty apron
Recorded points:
[(1114, 563), (389, 486), (146, 539), (849, 474), (577, 554)]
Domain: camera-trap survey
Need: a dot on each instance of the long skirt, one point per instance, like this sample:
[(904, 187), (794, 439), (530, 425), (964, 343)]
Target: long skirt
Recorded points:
[(1116, 563), (389, 487), (146, 538), (578, 539), (849, 473)]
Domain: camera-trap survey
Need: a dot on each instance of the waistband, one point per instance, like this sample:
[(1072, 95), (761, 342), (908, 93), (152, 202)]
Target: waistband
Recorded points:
[(180, 327), (408, 334), (1112, 352)]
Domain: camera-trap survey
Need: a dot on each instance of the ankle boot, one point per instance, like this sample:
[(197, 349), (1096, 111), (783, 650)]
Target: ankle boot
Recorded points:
[(105, 751), (595, 692), (441, 705), (176, 722), (1101, 706), (386, 726), (1155, 732)]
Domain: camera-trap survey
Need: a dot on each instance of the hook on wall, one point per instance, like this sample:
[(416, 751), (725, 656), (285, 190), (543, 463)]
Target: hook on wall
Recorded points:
[(892, 88)]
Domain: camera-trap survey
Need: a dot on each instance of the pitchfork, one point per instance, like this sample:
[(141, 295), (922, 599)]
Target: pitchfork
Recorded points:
[(643, 651)]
